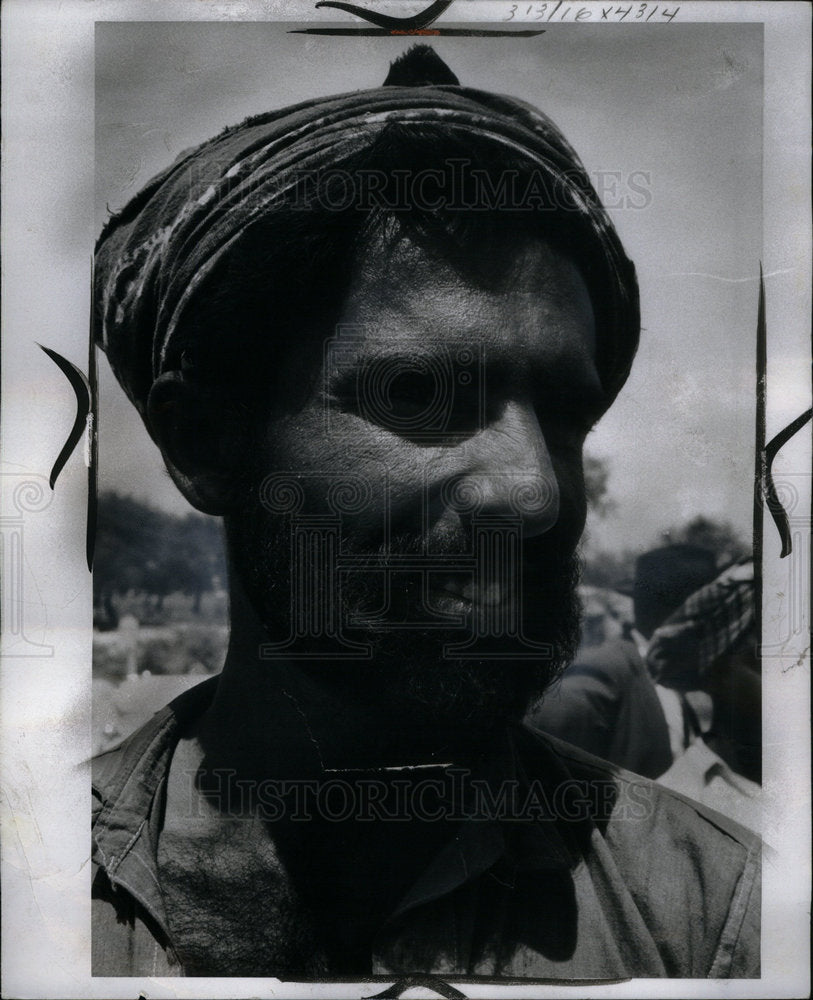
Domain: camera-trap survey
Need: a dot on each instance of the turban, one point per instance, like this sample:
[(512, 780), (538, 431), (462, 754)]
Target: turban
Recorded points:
[(718, 619), (153, 259)]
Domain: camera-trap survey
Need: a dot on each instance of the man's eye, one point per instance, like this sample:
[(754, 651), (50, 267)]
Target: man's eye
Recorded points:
[(418, 403), (428, 401), (414, 390)]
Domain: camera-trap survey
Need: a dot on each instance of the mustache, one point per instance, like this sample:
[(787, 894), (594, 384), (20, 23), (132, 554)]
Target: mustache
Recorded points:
[(410, 571), (537, 553), (403, 578)]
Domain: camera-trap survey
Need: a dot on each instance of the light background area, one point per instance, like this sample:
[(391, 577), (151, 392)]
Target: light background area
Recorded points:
[(48, 226), (676, 114)]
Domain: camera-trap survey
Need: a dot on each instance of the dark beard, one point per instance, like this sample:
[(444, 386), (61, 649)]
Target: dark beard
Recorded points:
[(415, 673)]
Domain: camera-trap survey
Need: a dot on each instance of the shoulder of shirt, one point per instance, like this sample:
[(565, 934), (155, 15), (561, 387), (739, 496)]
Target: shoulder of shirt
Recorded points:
[(669, 807), (111, 767)]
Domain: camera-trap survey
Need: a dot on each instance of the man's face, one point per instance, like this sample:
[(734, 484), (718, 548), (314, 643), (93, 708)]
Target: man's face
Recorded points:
[(439, 439)]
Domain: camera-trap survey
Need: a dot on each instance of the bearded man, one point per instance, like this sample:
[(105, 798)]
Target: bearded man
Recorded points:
[(372, 332)]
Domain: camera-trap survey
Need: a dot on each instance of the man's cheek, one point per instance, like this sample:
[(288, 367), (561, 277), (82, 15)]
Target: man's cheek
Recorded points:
[(340, 474)]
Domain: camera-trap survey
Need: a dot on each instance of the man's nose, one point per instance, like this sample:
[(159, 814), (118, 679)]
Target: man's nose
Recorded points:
[(509, 472)]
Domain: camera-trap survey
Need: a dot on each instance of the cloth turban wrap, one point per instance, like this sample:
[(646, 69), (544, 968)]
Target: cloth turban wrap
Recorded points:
[(719, 618), (154, 258)]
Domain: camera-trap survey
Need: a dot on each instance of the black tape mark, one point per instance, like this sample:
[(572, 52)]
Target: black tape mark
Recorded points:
[(410, 982), (81, 388), (414, 23), (86, 389), (778, 512), (417, 24), (434, 32)]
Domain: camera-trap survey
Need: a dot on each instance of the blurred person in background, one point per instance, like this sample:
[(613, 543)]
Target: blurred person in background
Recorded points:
[(606, 702), (709, 645)]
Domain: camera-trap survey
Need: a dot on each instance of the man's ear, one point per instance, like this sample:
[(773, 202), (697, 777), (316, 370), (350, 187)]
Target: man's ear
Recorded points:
[(201, 438)]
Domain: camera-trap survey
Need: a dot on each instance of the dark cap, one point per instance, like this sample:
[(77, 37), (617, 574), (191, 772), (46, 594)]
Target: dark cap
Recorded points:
[(664, 578)]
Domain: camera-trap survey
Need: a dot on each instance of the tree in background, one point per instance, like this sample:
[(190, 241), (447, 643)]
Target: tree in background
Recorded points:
[(616, 569), (719, 537), (147, 551), (601, 568), (596, 477)]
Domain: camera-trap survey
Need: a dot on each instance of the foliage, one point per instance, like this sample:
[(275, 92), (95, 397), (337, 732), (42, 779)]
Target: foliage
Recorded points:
[(148, 551), (612, 570), (596, 476), (719, 537), (616, 570)]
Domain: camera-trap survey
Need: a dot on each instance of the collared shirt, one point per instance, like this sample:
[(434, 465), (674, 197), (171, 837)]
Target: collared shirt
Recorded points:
[(705, 777), (593, 873)]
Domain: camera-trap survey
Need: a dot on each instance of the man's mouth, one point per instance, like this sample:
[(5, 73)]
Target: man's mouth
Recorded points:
[(467, 593)]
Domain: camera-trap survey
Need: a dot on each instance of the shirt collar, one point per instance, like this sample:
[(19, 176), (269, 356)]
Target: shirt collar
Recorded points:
[(129, 783), (520, 842)]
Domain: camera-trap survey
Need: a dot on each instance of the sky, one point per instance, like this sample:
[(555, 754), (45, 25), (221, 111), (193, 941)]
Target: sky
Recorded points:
[(668, 124)]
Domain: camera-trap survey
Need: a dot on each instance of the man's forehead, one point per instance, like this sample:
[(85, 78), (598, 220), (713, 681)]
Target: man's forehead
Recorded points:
[(406, 298), (496, 259)]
